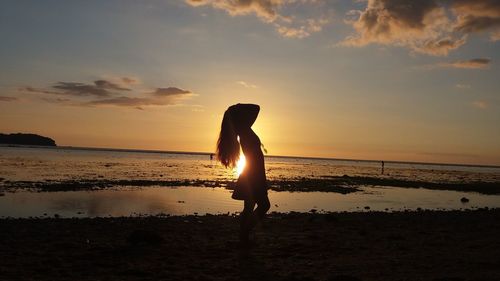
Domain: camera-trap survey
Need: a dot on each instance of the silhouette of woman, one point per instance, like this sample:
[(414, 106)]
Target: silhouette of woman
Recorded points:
[(251, 185)]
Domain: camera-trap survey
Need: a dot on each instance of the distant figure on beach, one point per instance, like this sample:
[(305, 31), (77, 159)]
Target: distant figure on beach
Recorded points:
[(383, 164), (211, 156), (251, 185)]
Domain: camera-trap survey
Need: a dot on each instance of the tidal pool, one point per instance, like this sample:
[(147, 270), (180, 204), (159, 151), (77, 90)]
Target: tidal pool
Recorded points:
[(133, 201)]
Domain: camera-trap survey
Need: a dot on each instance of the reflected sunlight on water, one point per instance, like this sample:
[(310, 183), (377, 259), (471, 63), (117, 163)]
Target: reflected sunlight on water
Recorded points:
[(190, 200), (62, 164)]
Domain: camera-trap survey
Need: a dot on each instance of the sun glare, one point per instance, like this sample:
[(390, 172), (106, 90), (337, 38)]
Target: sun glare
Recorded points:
[(241, 164)]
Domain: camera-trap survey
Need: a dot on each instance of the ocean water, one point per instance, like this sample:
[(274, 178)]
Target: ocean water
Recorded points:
[(42, 164), (24, 164)]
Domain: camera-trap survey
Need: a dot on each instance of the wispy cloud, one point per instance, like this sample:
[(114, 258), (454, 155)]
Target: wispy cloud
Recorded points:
[(462, 86), (291, 25), (480, 104), (109, 93), (305, 29), (170, 91), (197, 108), (125, 101), (7, 99), (140, 102), (264, 9), (479, 63), (474, 64), (246, 84), (130, 80), (99, 88)]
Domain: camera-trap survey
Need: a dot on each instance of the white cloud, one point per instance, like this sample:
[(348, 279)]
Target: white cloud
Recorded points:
[(480, 104), (246, 84), (462, 86)]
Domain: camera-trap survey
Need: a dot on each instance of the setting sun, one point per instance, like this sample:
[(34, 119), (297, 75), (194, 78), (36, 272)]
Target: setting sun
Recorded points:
[(241, 164)]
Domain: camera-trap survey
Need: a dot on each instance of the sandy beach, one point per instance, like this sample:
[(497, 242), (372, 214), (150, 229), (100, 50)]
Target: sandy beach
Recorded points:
[(337, 246)]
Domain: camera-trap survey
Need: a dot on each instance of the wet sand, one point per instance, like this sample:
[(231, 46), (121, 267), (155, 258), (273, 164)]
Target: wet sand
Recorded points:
[(427, 245), (338, 184)]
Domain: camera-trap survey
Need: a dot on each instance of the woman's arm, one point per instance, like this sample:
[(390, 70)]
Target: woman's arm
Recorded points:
[(246, 113)]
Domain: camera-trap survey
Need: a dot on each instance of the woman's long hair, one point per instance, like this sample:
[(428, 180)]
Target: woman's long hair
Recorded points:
[(228, 147)]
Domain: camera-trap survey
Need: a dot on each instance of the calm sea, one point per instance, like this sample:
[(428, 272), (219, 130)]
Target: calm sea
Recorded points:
[(72, 164)]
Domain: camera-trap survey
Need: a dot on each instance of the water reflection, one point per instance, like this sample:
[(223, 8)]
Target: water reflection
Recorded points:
[(190, 200)]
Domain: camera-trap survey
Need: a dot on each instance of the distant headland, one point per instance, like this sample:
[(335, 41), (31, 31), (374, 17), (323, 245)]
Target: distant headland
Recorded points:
[(26, 139)]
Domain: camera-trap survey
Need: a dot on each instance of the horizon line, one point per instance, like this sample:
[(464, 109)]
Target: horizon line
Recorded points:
[(275, 156)]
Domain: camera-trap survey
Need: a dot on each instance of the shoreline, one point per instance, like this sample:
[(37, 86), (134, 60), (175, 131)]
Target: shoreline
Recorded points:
[(425, 245), (375, 161), (337, 184)]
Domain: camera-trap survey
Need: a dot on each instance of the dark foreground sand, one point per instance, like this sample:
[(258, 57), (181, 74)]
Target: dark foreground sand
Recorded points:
[(346, 246)]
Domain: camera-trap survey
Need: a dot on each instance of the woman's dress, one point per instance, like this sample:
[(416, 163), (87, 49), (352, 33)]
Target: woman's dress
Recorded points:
[(251, 184)]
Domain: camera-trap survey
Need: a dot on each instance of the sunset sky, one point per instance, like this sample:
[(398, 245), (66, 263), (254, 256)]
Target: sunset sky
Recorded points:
[(378, 79)]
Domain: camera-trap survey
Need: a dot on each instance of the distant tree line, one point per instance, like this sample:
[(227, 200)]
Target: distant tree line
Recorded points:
[(26, 139)]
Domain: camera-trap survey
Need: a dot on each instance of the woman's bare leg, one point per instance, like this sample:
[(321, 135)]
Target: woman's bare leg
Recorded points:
[(263, 205), (246, 220), (249, 217)]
